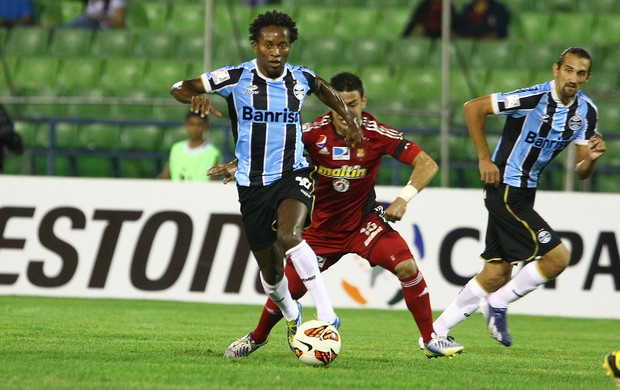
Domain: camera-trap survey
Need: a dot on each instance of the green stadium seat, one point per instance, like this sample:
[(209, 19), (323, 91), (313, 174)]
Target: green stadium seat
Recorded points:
[(62, 165), (541, 76), (465, 86), (355, 22), (147, 138), (391, 21), (26, 41), (409, 52), (608, 117), (365, 51), (28, 132), (78, 75), (189, 47), (599, 7), (189, 17), (427, 114), (112, 43), (570, 28), (606, 29), (506, 80), (35, 75), (87, 111), (532, 26), (67, 135), (379, 81), (138, 168), (153, 44), (131, 111), (493, 54), (609, 182), (419, 82), (147, 15), (537, 55), (321, 51), (94, 166), (17, 164), (552, 6), (316, 21), (231, 19), (174, 112), (121, 76), (159, 75), (71, 9), (71, 42), (96, 136)]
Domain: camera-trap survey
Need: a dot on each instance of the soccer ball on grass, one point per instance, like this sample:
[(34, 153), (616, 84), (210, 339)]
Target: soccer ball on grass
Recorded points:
[(316, 343)]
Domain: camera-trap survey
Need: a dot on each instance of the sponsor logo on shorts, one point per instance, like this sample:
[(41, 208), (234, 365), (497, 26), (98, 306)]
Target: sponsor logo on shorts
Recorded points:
[(544, 236)]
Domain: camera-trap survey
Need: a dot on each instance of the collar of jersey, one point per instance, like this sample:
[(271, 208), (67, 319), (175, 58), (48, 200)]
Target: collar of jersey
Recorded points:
[(554, 95), (258, 72)]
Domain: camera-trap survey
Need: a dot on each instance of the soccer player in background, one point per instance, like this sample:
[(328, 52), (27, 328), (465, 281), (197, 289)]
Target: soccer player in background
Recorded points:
[(275, 182), (541, 121), (347, 217)]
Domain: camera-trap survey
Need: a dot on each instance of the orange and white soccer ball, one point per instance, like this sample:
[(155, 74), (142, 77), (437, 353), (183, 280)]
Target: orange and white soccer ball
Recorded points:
[(316, 343)]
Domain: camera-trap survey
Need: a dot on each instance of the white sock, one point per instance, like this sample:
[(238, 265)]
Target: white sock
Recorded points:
[(526, 281), (282, 297), (304, 260), (465, 303)]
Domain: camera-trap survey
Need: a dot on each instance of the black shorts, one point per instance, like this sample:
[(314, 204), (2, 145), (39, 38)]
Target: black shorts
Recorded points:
[(259, 205), (515, 232)]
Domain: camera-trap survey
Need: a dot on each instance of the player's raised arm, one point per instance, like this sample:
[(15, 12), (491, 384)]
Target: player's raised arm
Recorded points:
[(328, 95), (191, 92)]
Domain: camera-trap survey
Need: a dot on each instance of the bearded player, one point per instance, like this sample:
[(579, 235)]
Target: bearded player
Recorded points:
[(348, 219)]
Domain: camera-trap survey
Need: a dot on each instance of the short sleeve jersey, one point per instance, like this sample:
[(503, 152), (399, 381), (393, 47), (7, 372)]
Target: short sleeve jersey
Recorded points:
[(538, 127), (192, 164), (346, 176), (265, 118)]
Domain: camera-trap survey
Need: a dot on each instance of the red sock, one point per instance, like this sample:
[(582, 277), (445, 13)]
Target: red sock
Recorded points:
[(271, 312), (419, 303)]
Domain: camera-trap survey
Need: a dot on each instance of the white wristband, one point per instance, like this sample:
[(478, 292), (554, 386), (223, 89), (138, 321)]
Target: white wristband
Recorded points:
[(408, 192)]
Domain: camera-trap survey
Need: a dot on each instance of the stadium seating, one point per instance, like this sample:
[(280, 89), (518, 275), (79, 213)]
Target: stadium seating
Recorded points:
[(364, 51), (409, 52), (391, 20), (26, 41), (70, 42), (77, 75), (355, 22), (112, 43), (571, 28), (141, 138), (153, 44), (163, 43), (97, 136)]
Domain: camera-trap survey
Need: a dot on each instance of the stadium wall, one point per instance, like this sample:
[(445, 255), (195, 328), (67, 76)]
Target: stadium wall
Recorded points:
[(152, 239)]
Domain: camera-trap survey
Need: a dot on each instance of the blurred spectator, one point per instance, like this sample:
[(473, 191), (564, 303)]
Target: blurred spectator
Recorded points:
[(425, 20), (483, 19), (191, 158), (8, 137), (101, 14), (16, 13)]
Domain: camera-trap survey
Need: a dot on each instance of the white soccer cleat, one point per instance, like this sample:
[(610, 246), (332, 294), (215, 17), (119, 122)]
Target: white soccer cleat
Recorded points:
[(243, 347), (442, 346)]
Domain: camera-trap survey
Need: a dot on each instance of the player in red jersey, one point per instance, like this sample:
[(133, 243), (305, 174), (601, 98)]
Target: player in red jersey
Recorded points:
[(348, 219)]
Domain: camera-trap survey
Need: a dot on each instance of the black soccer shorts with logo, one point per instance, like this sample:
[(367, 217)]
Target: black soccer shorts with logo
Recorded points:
[(259, 205), (515, 232)]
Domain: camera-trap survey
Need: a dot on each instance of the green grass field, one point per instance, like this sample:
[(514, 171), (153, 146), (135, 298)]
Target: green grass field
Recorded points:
[(59, 343)]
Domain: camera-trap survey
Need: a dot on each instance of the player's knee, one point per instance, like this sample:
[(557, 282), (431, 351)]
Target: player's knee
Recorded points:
[(554, 262), (494, 275), (405, 269), (289, 238)]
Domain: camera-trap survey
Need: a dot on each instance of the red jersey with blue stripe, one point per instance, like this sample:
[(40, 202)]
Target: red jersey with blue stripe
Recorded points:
[(345, 192)]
